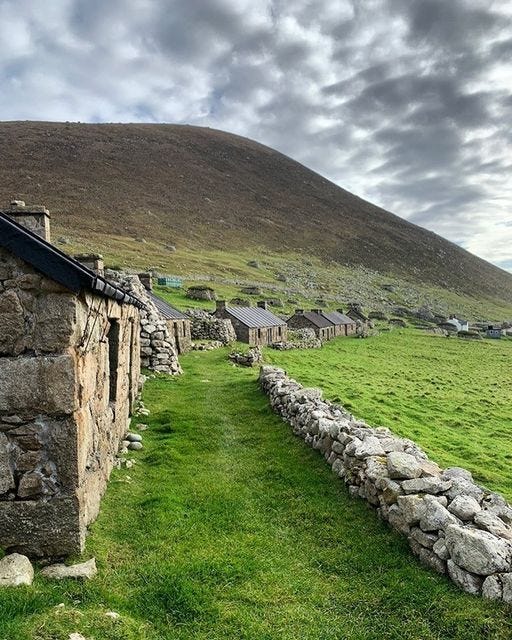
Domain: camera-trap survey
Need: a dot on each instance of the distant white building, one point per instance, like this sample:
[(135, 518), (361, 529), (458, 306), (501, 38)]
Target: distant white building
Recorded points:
[(460, 325)]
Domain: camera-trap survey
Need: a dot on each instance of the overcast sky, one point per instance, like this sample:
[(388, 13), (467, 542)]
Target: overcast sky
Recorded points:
[(407, 103)]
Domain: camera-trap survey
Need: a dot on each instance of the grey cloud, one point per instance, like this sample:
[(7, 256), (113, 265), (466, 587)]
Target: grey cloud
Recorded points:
[(449, 24)]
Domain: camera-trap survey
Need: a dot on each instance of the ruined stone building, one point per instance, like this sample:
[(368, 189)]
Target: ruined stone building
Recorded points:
[(254, 325), (69, 375), (323, 328), (355, 311)]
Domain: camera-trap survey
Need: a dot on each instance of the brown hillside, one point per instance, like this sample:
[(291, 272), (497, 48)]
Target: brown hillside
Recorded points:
[(212, 189)]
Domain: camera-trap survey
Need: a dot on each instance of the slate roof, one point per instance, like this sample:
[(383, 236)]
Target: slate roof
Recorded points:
[(255, 317), (337, 318), (316, 319), (168, 312), (57, 265)]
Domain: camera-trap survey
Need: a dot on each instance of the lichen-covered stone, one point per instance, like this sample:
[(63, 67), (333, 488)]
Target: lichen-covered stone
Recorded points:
[(464, 507), (403, 466), (16, 570), (440, 541), (413, 508), (436, 517), (478, 551), (493, 524), (428, 484), (464, 579), (492, 587), (13, 323), (6, 475)]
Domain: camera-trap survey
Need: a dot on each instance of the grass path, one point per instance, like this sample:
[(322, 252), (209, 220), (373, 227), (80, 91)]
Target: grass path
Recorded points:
[(230, 528)]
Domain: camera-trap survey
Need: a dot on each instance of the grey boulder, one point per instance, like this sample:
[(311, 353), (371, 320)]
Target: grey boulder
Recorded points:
[(81, 571), (478, 551), (16, 570), (403, 465)]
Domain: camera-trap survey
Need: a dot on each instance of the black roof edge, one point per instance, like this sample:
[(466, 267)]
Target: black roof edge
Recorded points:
[(56, 264)]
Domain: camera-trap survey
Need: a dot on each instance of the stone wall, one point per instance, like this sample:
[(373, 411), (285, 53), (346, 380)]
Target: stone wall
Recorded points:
[(63, 411), (453, 525), (207, 327), (158, 349)]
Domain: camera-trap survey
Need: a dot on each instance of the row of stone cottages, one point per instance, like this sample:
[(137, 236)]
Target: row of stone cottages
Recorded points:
[(259, 326)]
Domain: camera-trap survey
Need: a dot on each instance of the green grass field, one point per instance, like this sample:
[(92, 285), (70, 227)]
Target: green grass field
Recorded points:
[(230, 528), (453, 397)]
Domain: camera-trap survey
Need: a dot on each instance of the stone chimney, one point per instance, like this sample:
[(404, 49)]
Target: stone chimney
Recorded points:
[(35, 218), (262, 304), (93, 261), (220, 306), (146, 280)]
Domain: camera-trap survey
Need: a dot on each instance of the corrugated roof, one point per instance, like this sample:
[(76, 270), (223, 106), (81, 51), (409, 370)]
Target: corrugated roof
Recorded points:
[(337, 318), (316, 319), (255, 317), (57, 265), (168, 312)]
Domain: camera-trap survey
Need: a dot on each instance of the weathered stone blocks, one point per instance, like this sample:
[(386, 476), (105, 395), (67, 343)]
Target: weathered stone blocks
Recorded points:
[(24, 382)]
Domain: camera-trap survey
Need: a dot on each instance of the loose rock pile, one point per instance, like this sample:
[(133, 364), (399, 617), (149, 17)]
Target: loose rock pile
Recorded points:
[(157, 346), (207, 327), (249, 359), (299, 339), (453, 525)]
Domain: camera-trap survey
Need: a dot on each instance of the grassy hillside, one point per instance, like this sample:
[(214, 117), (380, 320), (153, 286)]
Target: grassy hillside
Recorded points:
[(450, 395), (230, 528), (131, 191)]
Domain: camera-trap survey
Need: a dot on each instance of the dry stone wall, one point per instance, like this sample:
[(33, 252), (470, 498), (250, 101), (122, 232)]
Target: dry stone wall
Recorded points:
[(453, 525), (207, 327), (158, 350)]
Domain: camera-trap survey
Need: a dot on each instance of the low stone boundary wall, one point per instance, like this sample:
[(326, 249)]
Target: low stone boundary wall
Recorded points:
[(453, 525)]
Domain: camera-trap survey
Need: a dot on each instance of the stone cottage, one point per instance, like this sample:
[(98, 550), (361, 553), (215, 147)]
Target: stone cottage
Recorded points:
[(69, 375), (343, 325), (257, 326), (178, 324), (323, 328)]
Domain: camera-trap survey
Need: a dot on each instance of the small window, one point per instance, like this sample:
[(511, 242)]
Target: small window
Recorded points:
[(113, 358)]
